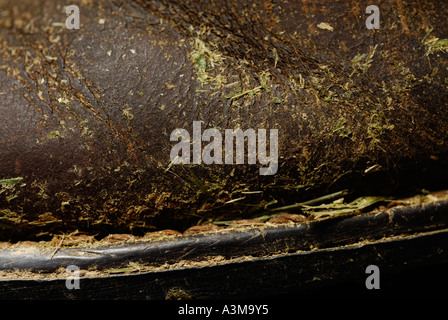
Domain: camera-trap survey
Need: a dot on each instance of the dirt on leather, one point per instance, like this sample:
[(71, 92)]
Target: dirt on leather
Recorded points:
[(86, 115)]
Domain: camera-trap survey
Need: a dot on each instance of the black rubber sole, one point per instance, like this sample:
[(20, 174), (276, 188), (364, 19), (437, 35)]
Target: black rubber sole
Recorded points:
[(282, 262)]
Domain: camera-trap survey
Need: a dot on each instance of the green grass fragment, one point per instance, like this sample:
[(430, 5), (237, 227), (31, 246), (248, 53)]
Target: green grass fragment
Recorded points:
[(11, 182), (436, 45)]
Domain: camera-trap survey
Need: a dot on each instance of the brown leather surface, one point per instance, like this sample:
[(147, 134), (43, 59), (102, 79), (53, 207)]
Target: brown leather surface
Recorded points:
[(86, 115)]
